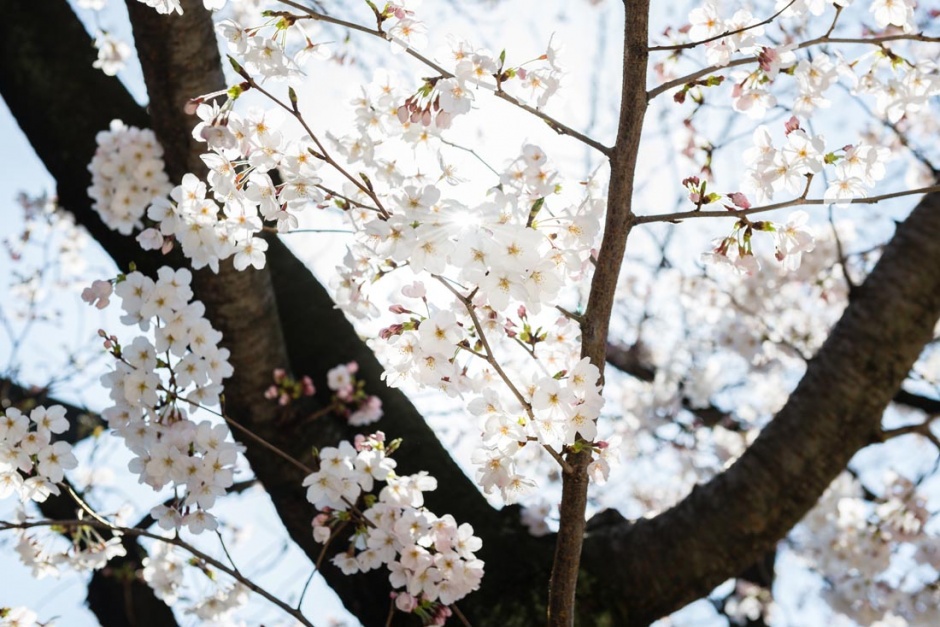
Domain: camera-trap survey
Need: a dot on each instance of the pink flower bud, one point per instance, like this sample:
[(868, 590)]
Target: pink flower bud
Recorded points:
[(443, 120), (791, 125), (405, 602), (739, 200), (192, 105)]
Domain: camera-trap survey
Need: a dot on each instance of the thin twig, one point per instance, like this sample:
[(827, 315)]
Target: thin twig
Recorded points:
[(738, 213), (490, 358), (225, 550), (824, 39), (460, 615), (319, 562), (323, 153), (555, 125), (693, 44), (134, 532), (253, 436)]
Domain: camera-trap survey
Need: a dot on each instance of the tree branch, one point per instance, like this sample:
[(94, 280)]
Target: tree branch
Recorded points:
[(796, 202), (619, 220), (824, 39), (554, 124), (116, 596), (654, 567)]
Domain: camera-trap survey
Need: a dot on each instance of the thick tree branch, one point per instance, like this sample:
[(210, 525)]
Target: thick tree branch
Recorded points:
[(663, 563)]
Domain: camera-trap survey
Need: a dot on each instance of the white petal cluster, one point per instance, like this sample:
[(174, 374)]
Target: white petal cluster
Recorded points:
[(706, 22), (853, 542), (562, 409), (19, 616), (168, 7), (112, 53), (898, 13), (31, 463), (157, 383), (431, 559), (88, 551), (260, 54), (223, 218), (163, 571), (127, 174)]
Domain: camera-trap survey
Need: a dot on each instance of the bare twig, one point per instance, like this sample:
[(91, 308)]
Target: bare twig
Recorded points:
[(554, 124), (739, 213), (176, 541), (693, 44)]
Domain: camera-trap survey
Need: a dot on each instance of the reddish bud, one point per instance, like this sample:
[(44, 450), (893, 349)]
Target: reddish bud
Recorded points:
[(740, 200), (791, 125), (192, 105)]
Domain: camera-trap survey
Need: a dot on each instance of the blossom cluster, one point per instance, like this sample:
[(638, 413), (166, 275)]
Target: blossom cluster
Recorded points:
[(87, 551), (361, 409), (440, 99), (243, 152), (112, 53), (516, 249), (853, 171), (898, 85), (853, 541), (157, 383), (431, 559), (127, 174), (31, 463), (168, 7), (706, 23), (856, 168), (164, 570)]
